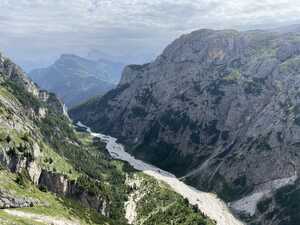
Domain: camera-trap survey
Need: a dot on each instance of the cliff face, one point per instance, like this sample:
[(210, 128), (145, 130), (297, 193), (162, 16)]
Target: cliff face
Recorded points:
[(60, 184), (219, 108), (22, 103)]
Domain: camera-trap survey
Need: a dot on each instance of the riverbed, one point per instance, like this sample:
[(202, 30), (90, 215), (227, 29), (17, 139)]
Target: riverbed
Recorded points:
[(208, 203)]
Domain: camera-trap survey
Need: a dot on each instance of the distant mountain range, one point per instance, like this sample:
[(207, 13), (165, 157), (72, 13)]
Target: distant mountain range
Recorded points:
[(288, 29), (75, 79)]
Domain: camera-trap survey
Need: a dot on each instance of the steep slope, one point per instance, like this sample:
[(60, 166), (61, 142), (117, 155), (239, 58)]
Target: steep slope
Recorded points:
[(52, 174), (75, 79), (220, 109)]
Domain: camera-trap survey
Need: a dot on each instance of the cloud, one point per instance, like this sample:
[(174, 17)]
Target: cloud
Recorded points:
[(46, 28)]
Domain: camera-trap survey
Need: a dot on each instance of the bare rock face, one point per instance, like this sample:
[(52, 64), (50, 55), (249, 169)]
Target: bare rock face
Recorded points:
[(219, 108), (60, 184), (13, 73), (56, 183)]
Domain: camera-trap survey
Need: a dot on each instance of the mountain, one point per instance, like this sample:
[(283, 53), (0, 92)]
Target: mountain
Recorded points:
[(75, 79), (140, 55), (288, 29), (51, 173), (221, 109)]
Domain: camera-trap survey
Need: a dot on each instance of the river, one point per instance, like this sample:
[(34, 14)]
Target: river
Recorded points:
[(208, 203)]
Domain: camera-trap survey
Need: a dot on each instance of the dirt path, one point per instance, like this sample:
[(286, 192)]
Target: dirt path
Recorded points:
[(41, 218)]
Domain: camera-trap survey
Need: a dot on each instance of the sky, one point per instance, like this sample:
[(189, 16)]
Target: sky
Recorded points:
[(35, 32)]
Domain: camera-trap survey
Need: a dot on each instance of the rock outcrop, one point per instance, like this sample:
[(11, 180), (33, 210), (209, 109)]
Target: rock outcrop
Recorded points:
[(14, 74), (8, 201), (60, 184), (221, 109), (18, 162)]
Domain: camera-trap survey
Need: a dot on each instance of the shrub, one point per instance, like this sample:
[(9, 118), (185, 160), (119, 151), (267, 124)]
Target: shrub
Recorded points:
[(12, 152), (22, 147), (297, 121), (26, 137), (43, 188), (22, 178), (3, 136), (8, 139), (254, 87), (88, 184), (28, 154), (263, 205)]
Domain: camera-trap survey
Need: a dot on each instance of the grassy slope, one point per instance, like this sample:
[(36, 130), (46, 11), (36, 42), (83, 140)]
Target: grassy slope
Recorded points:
[(55, 206)]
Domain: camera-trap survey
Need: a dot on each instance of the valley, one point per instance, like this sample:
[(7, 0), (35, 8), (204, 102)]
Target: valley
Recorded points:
[(52, 173), (202, 127), (220, 110), (208, 203)]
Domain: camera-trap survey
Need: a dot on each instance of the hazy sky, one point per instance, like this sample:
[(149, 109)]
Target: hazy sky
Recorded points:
[(35, 32)]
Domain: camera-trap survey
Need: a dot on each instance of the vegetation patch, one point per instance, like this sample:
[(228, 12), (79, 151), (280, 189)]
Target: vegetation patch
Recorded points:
[(175, 120), (145, 97), (297, 121), (88, 156), (263, 144), (195, 137), (290, 66), (288, 199), (264, 205), (254, 87), (51, 205), (138, 112), (212, 132), (231, 191), (162, 206), (214, 88), (25, 98), (233, 76)]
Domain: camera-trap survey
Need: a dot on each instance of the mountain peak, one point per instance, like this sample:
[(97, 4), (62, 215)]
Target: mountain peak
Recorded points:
[(72, 57), (76, 79), (216, 108)]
